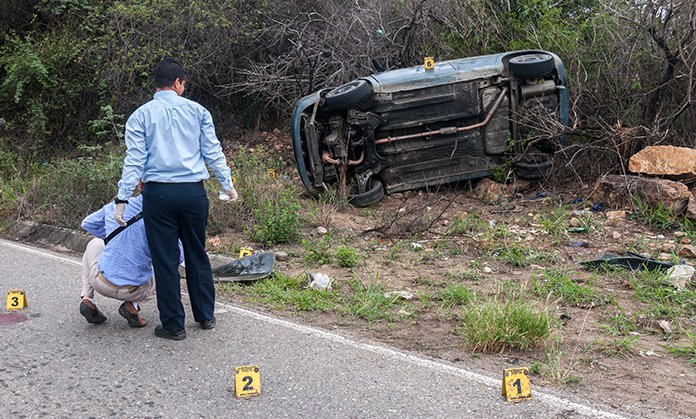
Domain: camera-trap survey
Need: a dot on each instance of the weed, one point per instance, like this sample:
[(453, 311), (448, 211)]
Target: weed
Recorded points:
[(346, 257), (455, 295), (518, 254), (495, 326), (558, 367), (368, 301), (654, 216), (318, 252), (666, 301), (689, 350), (471, 275), (624, 347), (511, 290), (554, 222), (620, 324), (558, 283), (466, 223)]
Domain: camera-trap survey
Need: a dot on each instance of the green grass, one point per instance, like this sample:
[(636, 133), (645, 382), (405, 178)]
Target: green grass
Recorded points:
[(654, 216), (665, 300), (689, 350), (496, 326), (318, 252), (455, 294), (623, 347), (519, 255), (619, 323), (559, 284), (368, 301), (283, 292), (466, 223), (554, 222)]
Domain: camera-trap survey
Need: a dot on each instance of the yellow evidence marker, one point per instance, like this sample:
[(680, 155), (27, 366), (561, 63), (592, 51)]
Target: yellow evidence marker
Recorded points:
[(16, 300), (245, 251), (429, 63), (247, 381), (516, 384)]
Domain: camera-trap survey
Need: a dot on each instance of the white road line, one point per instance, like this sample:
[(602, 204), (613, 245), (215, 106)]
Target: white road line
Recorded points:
[(547, 398)]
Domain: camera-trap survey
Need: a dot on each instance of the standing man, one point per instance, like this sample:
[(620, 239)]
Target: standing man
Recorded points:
[(170, 139)]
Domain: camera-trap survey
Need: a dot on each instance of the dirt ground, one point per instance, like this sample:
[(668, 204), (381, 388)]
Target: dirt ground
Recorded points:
[(406, 242)]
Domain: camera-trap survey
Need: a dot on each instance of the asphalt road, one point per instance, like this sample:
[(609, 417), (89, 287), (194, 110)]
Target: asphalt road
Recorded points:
[(55, 364)]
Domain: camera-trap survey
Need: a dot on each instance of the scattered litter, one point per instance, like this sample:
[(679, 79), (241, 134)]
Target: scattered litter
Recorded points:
[(665, 326), (214, 241), (648, 353), (580, 229), (596, 207), (319, 281), (579, 243), (632, 261), (399, 294), (581, 213), (576, 200), (492, 223), (416, 246), (680, 275), (540, 195)]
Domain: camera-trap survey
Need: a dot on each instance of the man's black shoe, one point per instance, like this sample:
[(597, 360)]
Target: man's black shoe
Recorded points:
[(161, 332), (91, 312), (208, 324)]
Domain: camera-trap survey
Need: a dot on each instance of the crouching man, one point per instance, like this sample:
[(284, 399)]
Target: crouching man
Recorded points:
[(120, 268)]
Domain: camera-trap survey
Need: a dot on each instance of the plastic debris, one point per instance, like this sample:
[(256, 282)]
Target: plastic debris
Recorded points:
[(596, 207), (319, 281), (399, 294), (540, 195), (576, 200), (632, 261), (680, 275), (249, 268), (579, 244), (581, 229)]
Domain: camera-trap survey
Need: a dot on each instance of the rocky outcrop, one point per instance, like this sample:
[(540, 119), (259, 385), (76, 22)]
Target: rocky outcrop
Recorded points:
[(617, 191), (665, 160)]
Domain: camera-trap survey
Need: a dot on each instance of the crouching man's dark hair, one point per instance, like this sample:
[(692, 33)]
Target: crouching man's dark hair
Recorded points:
[(167, 71)]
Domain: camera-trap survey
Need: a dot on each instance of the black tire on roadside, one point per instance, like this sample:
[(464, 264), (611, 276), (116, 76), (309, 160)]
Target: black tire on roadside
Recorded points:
[(374, 194), (531, 65), (533, 171), (355, 94)]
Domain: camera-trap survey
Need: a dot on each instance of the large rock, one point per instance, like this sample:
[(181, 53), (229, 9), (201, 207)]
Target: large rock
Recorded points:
[(664, 160), (691, 207), (617, 191)]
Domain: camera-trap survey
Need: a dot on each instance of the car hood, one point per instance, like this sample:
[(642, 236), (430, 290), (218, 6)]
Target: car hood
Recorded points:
[(445, 72)]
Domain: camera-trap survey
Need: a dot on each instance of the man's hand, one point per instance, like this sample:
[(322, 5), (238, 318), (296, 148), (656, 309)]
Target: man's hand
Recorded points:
[(233, 194), (118, 213)]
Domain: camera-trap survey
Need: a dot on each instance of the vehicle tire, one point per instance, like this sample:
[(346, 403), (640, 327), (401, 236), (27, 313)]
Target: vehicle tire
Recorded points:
[(356, 94), (537, 170), (374, 194), (531, 65)]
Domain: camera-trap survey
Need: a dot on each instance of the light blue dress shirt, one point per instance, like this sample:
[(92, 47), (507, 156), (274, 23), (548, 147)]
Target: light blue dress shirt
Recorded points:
[(126, 258), (169, 140)]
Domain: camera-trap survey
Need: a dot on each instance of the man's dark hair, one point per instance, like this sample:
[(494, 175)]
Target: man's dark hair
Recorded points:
[(167, 71)]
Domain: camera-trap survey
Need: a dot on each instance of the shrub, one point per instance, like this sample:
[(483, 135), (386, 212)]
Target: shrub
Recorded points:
[(346, 257)]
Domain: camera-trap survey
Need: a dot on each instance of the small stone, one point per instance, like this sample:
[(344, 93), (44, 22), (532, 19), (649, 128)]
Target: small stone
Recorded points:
[(665, 326), (679, 234), (487, 270), (322, 230), (685, 240), (445, 222), (575, 222), (281, 256), (399, 294), (668, 247), (401, 210), (616, 215), (616, 235), (664, 256), (687, 251)]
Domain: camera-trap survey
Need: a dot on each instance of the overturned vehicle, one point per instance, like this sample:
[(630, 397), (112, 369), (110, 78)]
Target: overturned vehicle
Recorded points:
[(424, 126)]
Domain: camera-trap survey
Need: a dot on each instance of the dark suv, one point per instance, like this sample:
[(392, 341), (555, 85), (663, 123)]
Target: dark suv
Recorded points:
[(420, 127)]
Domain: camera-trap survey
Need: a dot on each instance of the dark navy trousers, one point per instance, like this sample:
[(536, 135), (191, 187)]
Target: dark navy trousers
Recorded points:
[(173, 211)]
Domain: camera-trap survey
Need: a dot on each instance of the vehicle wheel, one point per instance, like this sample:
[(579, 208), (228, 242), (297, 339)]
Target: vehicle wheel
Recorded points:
[(356, 94), (537, 170), (374, 194), (531, 65)]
